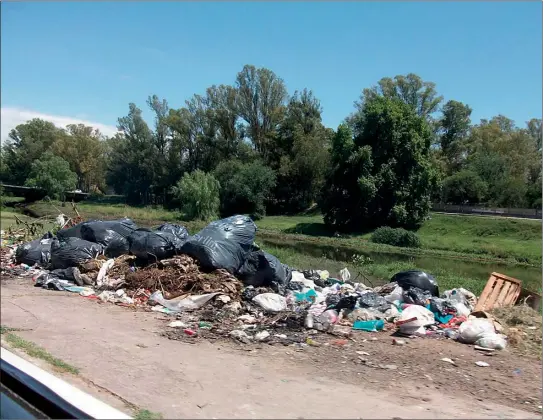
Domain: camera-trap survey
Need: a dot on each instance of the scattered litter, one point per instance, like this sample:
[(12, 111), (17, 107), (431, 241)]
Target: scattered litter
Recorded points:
[(482, 364), (177, 324), (271, 302), (446, 359), (219, 283), (344, 274), (241, 336), (262, 335)]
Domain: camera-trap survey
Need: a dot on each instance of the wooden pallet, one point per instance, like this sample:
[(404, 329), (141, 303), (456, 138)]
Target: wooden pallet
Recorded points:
[(500, 290)]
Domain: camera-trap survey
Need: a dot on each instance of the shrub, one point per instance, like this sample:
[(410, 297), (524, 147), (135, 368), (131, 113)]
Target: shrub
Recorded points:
[(396, 237), (464, 187), (198, 194), (244, 187)]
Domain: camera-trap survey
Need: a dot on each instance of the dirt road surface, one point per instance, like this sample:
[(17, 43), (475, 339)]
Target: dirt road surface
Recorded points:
[(124, 361)]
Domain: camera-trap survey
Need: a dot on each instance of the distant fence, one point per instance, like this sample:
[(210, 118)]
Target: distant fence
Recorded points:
[(471, 209)]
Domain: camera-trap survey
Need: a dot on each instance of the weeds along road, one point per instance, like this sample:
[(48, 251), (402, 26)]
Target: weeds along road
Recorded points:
[(122, 359)]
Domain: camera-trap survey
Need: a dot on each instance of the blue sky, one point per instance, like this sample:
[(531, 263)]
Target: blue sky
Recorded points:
[(86, 61)]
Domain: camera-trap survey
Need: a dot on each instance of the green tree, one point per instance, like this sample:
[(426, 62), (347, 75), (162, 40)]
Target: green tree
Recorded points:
[(133, 160), (26, 143), (464, 187), (385, 176), (53, 174), (198, 194), (454, 128), (506, 159), (301, 155), (245, 187), (261, 96), (83, 148), (534, 129), (410, 89)]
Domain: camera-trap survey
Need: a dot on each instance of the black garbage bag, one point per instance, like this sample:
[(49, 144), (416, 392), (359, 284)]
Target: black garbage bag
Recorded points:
[(114, 243), (311, 274), (73, 232), (346, 302), (223, 243), (295, 286), (263, 269), (111, 234), (154, 245), (415, 278), (331, 299), (180, 231), (34, 252), (71, 274), (250, 292), (49, 281), (373, 300), (416, 296), (70, 252)]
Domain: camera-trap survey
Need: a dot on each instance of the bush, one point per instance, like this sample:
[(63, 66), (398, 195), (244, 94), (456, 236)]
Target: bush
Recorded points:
[(198, 194), (244, 187), (464, 187), (396, 237)]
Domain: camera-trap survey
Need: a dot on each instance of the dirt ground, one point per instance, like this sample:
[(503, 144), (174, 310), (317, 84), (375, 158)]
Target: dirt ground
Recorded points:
[(126, 360)]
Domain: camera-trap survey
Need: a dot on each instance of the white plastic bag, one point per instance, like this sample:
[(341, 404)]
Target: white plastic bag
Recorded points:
[(297, 276), (395, 295), (461, 309), (344, 274), (461, 295), (492, 341), (423, 315), (473, 329), (271, 302)]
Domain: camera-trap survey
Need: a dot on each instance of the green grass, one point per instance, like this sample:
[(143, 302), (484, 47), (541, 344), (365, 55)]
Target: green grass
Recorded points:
[(7, 218), (33, 350), (512, 240), (143, 414)]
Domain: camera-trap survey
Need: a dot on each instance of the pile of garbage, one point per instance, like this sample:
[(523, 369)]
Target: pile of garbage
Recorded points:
[(219, 282)]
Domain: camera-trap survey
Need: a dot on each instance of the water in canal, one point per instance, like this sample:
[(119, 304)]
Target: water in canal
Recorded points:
[(469, 269)]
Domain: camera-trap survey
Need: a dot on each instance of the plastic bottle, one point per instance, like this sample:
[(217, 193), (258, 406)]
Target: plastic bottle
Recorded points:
[(329, 316), (309, 321)]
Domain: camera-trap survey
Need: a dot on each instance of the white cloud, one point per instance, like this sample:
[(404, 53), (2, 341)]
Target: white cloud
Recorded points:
[(12, 117)]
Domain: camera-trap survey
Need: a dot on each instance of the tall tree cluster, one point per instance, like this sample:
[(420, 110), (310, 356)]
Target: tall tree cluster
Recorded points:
[(401, 149)]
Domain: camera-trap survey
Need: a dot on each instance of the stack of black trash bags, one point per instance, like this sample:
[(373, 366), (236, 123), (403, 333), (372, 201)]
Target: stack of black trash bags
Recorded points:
[(223, 244)]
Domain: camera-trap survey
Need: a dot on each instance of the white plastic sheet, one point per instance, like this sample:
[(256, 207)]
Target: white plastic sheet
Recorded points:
[(191, 302), (271, 302)]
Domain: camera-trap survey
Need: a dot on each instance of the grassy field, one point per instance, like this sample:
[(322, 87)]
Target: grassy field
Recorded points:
[(513, 240)]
